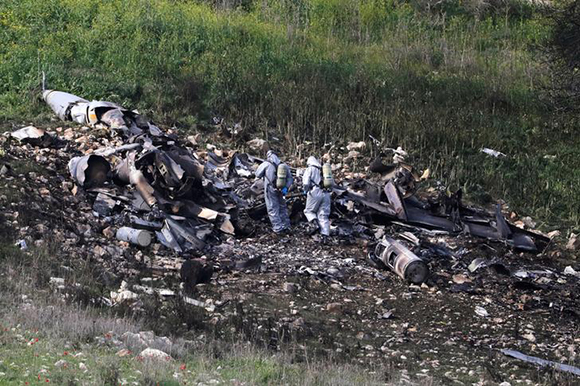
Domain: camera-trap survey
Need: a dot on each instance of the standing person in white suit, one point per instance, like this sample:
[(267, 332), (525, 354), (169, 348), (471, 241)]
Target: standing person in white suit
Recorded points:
[(277, 180), (317, 187)]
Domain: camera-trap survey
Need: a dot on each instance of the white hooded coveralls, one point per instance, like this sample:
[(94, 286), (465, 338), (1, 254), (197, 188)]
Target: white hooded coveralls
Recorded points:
[(317, 199), (275, 201)]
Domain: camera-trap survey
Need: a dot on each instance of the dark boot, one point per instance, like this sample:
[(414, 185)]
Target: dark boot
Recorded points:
[(313, 227)]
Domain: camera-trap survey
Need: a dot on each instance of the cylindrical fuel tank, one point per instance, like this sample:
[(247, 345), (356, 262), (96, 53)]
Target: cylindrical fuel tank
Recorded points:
[(402, 261)]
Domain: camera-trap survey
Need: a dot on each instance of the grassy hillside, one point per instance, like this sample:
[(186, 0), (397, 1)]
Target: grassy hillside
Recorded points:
[(441, 79), (44, 339)]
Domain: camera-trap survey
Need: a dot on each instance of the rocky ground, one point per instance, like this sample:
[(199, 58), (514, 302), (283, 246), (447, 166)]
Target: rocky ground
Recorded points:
[(294, 293)]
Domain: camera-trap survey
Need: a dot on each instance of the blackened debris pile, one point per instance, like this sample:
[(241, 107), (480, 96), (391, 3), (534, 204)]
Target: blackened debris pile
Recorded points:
[(138, 186), (148, 182)]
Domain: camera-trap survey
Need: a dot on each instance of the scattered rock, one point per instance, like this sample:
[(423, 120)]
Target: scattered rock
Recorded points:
[(481, 311), (258, 145), (44, 192), (290, 288), (353, 154), (123, 294), (123, 352), (109, 232), (154, 354), (530, 337), (573, 242), (297, 324), (461, 278), (195, 271), (359, 146), (334, 308), (61, 364), (147, 336), (528, 222), (332, 271), (571, 271)]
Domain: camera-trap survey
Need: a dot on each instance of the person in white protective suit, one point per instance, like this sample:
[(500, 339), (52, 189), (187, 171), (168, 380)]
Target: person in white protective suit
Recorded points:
[(275, 201), (317, 198)]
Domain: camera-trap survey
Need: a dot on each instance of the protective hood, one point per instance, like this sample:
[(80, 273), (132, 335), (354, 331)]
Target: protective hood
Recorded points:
[(312, 161), (273, 158)]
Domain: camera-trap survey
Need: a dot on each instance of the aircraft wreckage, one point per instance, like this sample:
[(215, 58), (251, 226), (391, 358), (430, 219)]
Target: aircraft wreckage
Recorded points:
[(154, 185)]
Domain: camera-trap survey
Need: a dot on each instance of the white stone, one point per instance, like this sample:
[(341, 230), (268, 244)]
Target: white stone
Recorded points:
[(154, 354)]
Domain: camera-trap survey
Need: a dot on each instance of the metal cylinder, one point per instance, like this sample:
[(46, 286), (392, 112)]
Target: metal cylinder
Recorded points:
[(327, 176), (145, 190), (402, 261), (281, 176), (61, 102), (134, 236)]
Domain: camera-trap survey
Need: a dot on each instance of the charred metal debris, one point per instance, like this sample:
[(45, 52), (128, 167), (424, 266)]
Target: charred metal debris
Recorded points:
[(150, 185), (155, 217)]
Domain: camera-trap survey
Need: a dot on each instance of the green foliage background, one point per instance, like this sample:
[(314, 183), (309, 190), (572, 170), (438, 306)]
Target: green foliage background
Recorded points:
[(441, 79)]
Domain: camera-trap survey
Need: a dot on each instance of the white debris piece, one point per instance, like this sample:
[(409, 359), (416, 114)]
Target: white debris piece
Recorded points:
[(22, 245), (61, 364), (571, 271), (356, 146), (208, 307), (493, 153), (399, 155), (56, 280), (257, 145), (481, 311), (123, 294), (476, 264), (573, 242), (352, 155), (28, 132), (165, 292)]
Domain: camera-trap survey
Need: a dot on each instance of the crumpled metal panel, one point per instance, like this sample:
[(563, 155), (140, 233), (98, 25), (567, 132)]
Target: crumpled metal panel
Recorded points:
[(28, 132), (90, 170), (96, 109), (395, 200)]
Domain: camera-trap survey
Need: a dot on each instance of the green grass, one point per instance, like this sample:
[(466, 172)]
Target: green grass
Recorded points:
[(30, 358), (33, 339), (442, 82)]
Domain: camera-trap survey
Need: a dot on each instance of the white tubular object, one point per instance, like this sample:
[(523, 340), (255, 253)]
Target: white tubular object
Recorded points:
[(134, 236)]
